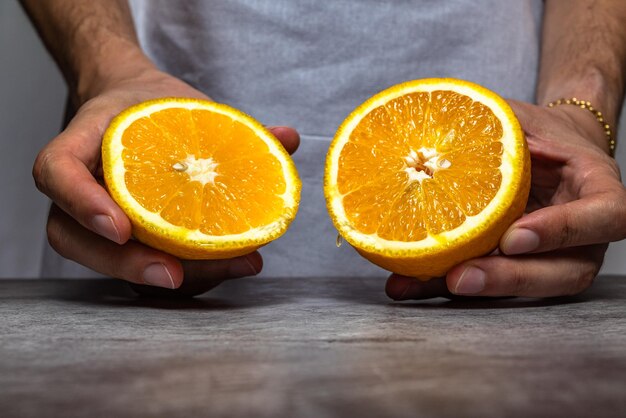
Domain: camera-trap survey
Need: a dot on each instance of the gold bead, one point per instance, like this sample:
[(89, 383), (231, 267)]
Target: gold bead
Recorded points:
[(598, 115)]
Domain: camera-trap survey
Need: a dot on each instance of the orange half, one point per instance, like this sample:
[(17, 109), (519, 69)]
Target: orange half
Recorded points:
[(427, 174), (199, 179)]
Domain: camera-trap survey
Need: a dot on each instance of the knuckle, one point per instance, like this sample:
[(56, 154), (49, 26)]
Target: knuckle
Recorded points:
[(612, 206), (564, 231), (584, 275), (567, 231), (57, 237), (41, 169), (520, 283), (581, 283)]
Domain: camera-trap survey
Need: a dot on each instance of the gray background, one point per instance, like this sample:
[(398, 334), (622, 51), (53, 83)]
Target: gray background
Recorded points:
[(32, 97)]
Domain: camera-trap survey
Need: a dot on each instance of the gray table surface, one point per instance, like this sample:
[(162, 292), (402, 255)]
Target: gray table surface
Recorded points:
[(309, 348)]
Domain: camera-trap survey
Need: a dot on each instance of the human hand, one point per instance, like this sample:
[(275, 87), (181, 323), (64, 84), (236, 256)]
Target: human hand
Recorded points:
[(577, 205), (85, 224)]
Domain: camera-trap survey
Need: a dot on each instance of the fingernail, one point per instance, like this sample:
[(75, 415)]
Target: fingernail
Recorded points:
[(242, 267), (520, 241), (472, 281), (158, 275), (104, 225)]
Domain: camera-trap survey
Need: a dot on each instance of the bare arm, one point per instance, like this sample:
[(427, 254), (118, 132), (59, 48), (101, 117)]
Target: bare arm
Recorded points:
[(93, 42), (96, 48), (584, 55)]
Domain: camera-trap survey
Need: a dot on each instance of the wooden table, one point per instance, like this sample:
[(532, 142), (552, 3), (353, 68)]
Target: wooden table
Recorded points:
[(307, 348)]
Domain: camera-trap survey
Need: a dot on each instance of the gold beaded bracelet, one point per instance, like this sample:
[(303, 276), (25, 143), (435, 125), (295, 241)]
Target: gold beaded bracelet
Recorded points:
[(587, 105)]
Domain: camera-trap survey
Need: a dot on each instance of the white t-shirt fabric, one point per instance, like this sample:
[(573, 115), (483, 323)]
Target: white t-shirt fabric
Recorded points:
[(308, 64)]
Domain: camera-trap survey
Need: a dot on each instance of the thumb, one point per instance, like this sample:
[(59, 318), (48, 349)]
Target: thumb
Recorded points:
[(581, 222)]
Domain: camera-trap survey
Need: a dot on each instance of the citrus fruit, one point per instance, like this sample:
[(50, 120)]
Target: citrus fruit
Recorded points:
[(427, 174), (198, 179)]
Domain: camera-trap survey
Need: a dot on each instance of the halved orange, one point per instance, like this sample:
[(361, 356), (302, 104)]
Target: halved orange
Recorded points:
[(427, 174), (198, 179)]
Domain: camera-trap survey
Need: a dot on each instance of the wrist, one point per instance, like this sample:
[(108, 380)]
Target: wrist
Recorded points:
[(593, 86), (609, 135), (113, 62), (586, 122), (590, 99)]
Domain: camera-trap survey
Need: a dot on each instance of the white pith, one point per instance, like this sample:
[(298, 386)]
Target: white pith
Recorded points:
[(427, 157), (203, 170)]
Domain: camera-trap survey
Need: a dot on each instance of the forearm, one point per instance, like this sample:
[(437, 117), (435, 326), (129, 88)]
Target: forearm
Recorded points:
[(92, 41), (584, 54)]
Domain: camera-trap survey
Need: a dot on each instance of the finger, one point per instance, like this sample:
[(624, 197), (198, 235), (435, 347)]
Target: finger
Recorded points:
[(566, 272), (288, 136), (203, 275), (400, 287), (134, 261), (66, 179), (581, 222)]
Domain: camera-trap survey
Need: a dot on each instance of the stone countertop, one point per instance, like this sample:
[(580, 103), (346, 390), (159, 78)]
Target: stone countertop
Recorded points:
[(307, 348)]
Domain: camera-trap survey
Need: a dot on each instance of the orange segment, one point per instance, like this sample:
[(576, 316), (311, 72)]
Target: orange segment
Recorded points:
[(153, 191), (357, 161), (231, 218), (376, 129), (367, 206), (184, 206), (178, 130), (258, 185), (441, 212), (213, 133), (409, 113), (426, 174), (406, 217), (199, 179)]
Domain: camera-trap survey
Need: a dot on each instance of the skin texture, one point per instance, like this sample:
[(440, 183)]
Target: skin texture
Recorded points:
[(95, 45), (577, 202)]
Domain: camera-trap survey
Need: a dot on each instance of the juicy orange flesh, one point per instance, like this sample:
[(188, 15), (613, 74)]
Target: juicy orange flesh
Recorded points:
[(378, 195), (245, 192)]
